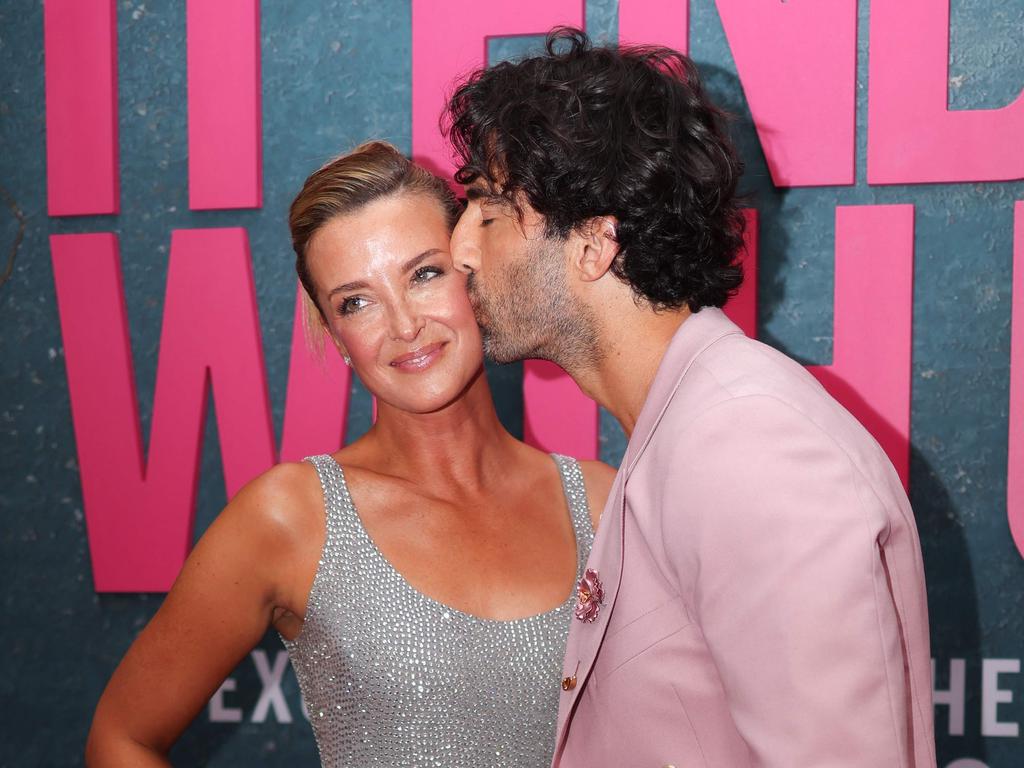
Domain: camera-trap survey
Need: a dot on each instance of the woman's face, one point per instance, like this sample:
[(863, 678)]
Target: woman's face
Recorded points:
[(394, 303)]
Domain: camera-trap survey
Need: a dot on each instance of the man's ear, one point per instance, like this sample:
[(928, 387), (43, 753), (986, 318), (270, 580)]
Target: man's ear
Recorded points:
[(596, 247)]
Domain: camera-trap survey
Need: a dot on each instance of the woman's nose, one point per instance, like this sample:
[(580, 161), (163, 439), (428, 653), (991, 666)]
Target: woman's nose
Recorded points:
[(465, 250), (406, 322)]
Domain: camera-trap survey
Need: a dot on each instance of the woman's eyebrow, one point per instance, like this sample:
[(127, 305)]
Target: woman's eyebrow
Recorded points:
[(346, 287), (415, 260), (406, 267)]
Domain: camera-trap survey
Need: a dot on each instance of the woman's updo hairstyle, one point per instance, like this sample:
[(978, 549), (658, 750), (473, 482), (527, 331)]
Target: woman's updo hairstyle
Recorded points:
[(371, 171)]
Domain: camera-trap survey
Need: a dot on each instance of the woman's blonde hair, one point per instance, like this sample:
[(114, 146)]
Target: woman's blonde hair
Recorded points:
[(369, 172)]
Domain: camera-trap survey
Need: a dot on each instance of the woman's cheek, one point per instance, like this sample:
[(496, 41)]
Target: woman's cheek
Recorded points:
[(457, 300), (359, 338)]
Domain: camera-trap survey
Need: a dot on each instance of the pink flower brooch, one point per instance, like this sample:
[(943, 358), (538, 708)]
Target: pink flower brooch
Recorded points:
[(589, 596)]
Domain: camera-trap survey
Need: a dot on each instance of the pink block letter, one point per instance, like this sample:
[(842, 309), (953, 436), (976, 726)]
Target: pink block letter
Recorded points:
[(224, 141), (874, 280), (557, 416), (316, 405), (80, 37), (139, 513), (797, 62), (655, 22), (449, 45), (912, 137), (1015, 469)]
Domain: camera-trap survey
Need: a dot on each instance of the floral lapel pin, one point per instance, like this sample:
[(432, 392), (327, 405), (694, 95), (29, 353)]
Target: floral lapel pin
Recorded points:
[(589, 596)]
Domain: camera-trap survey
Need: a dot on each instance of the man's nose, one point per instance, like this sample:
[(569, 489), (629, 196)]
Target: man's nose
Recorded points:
[(464, 248)]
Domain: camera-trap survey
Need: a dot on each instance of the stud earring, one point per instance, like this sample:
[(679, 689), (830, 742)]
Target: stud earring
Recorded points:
[(347, 359)]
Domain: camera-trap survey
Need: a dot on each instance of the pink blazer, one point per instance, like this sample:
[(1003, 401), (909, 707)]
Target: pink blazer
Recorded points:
[(764, 593)]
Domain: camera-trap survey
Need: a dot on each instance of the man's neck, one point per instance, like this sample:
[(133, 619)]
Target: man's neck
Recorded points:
[(633, 342)]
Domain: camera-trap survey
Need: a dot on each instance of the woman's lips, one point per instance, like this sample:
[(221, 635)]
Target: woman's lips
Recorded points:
[(420, 358)]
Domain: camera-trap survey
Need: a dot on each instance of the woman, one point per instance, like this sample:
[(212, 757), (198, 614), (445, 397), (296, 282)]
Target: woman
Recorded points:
[(421, 576)]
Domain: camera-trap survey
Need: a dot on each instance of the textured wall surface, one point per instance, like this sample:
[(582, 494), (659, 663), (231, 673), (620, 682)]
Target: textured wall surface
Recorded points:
[(338, 72)]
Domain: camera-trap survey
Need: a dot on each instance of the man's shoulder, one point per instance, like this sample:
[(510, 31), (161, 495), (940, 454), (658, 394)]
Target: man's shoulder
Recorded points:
[(737, 384), (736, 367), (742, 367), (735, 372)]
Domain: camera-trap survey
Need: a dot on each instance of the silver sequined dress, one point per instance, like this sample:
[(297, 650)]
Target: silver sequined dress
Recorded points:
[(391, 677)]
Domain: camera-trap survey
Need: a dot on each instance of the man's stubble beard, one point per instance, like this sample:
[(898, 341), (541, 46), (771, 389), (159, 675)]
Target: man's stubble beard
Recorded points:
[(529, 313)]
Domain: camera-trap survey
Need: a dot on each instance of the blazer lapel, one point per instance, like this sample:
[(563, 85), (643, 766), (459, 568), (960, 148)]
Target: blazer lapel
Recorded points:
[(698, 332), (606, 559)]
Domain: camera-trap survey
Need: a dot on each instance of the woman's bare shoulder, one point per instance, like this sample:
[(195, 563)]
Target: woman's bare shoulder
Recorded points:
[(282, 505)]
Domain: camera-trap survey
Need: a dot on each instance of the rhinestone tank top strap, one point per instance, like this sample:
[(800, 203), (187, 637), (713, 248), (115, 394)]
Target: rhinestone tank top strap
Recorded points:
[(579, 509), (338, 509), (339, 537)]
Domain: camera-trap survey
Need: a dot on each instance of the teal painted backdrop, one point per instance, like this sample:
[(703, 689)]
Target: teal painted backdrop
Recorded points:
[(336, 73)]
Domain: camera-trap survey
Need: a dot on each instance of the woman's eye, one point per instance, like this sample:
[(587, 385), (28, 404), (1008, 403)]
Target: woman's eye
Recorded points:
[(423, 274), (351, 304), (485, 222)]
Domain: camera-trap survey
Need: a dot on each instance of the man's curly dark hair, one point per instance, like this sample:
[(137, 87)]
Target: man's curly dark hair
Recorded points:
[(588, 131)]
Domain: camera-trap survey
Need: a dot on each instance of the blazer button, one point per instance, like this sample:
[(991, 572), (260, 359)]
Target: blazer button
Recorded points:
[(568, 683)]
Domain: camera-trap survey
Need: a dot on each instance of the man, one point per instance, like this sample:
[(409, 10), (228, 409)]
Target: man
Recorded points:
[(755, 595)]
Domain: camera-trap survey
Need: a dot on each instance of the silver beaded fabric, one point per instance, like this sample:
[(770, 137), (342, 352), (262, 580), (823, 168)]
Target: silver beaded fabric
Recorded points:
[(392, 677)]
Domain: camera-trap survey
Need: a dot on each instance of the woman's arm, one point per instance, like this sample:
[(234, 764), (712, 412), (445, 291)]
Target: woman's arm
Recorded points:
[(218, 609)]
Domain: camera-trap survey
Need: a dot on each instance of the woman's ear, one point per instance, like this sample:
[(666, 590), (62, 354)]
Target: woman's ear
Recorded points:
[(595, 247)]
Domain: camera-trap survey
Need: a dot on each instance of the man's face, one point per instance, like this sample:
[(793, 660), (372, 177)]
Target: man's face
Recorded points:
[(517, 281)]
